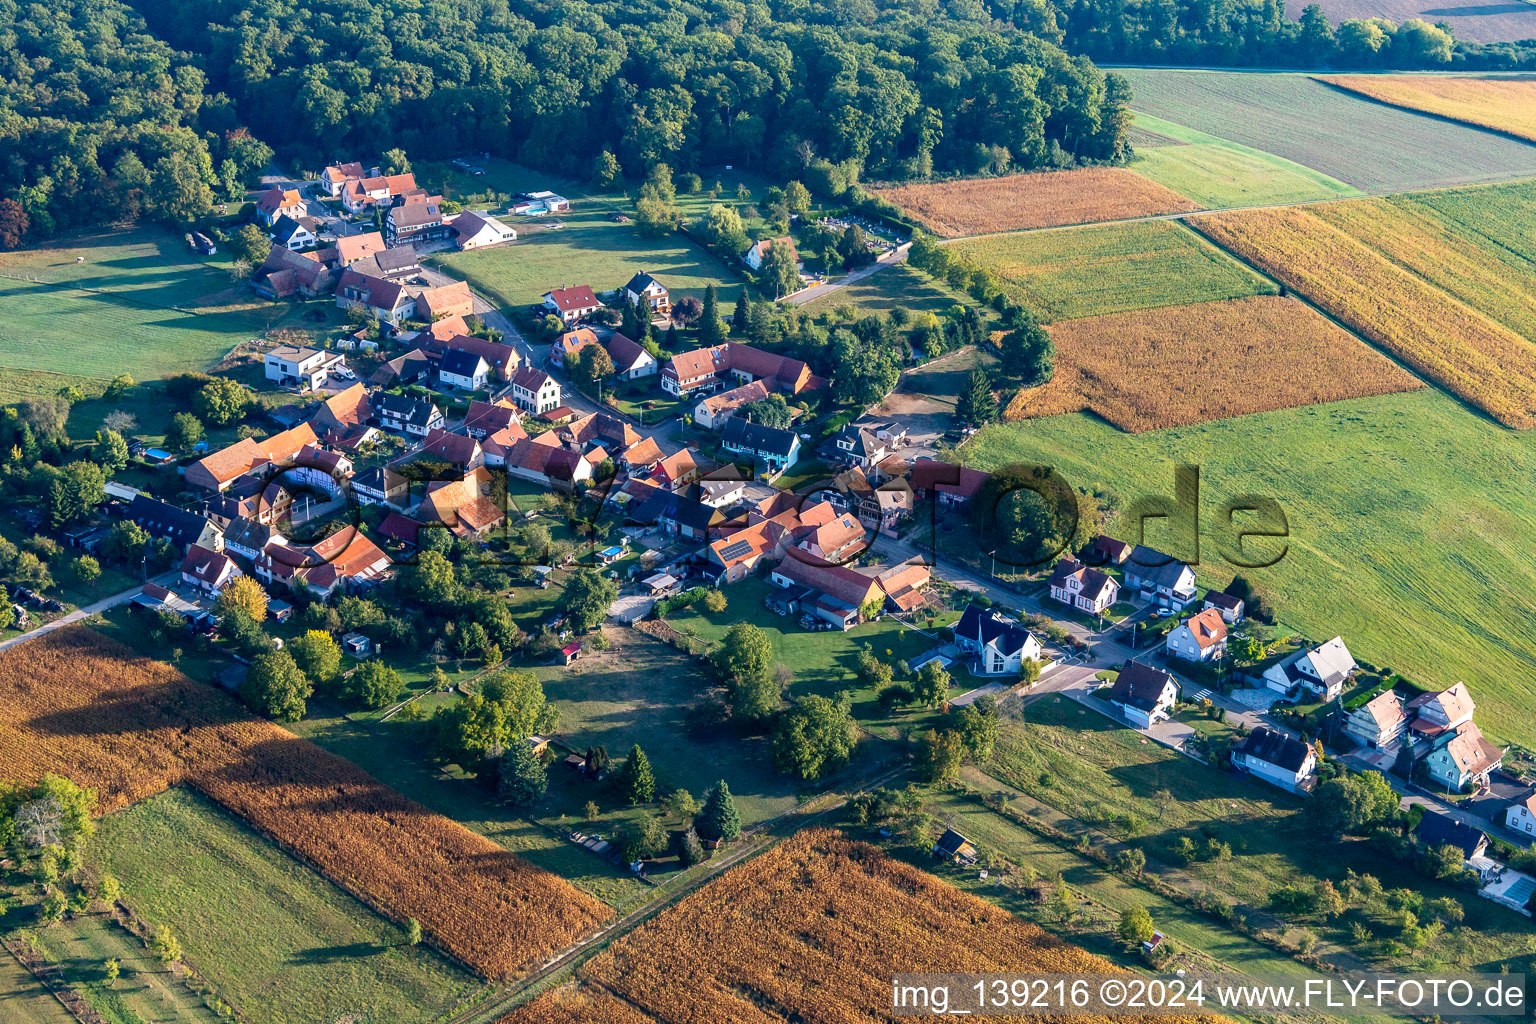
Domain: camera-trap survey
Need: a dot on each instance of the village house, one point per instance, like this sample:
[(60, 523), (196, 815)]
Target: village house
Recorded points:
[(337, 177), (833, 593), (294, 233), (397, 264), (284, 274), (465, 371), (1379, 723), (167, 522), (412, 367), (630, 359), (473, 230), (739, 554), (460, 451), (704, 370), (1278, 759), (345, 559), (758, 251), (641, 457), (837, 541), (217, 471), (349, 249), (483, 418), (951, 486), (866, 445), (1323, 670), (416, 224), (207, 570), (308, 368), (566, 347), (1230, 607), (278, 202), (1438, 713), (1435, 830), (1201, 637), (1461, 759), (644, 290), (466, 506), (360, 194), (712, 412), (537, 204), (1160, 576), (677, 470), (535, 390), (1521, 816), (248, 538), (502, 359), (445, 300), (1144, 695), (774, 448), (344, 413), (904, 584), (379, 485), (385, 299), (402, 414), (572, 304), (1104, 550), (1077, 586), (1000, 645)]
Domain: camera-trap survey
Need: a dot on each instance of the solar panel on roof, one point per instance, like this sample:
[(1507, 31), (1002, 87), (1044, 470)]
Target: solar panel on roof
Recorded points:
[(736, 550)]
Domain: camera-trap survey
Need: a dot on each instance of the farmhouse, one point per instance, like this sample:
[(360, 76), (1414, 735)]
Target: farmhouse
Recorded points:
[(351, 248), (278, 202), (458, 450), (950, 485), (402, 414), (416, 224), (705, 368), (1143, 694), (290, 365), (346, 557), (207, 570), (904, 584), (217, 471), (248, 538), (390, 264), (482, 418), (478, 230), (775, 448), (337, 177), (1160, 576), (1323, 670), (1379, 723), (571, 304), (1201, 637), (1077, 586), (644, 290), (284, 274), (467, 506), (361, 194), (343, 413), (739, 554), (445, 300), (1463, 758), (677, 470), (1000, 644), (1277, 758), (836, 541), (535, 390), (409, 368), (630, 360), (866, 445), (712, 412), (180, 527), (503, 359), (385, 299)]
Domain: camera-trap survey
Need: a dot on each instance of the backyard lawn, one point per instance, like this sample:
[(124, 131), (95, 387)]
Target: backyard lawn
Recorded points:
[(276, 939), (137, 302)]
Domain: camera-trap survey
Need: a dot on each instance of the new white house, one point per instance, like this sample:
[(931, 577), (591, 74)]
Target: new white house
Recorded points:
[(1277, 758), (1201, 637), (1144, 695), (1088, 590), (463, 369), (1000, 644), (308, 367), (1160, 576), (1324, 670)]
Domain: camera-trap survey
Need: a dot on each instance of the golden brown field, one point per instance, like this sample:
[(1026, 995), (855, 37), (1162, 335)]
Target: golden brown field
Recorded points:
[(1440, 337), (1017, 202), (82, 705), (811, 931), (1503, 104), (1177, 365), (577, 1004)]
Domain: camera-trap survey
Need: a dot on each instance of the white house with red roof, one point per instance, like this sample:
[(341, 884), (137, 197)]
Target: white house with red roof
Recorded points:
[(535, 390), (1201, 637), (278, 202), (572, 304), (336, 177), (207, 570)]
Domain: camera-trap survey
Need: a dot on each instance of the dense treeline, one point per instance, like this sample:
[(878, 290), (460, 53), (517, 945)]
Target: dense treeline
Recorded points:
[(100, 120), (855, 88)]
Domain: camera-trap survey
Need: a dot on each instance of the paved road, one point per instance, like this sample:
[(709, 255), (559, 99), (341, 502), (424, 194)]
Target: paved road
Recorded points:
[(890, 259), (70, 618)]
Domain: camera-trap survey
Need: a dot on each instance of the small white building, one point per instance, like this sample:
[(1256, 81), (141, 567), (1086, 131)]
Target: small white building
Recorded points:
[(645, 290), (1201, 637), (535, 390), (464, 370), (1000, 644), (1277, 758), (1144, 695), (571, 304), (478, 230), (1088, 590), (309, 367), (1323, 670), (1521, 816)]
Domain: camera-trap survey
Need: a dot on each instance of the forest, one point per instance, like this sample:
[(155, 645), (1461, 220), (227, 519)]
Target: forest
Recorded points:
[(104, 115)]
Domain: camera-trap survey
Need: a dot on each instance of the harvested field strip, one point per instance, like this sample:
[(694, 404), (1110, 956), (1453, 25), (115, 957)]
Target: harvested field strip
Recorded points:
[(1373, 147), (1495, 281), (1111, 268), (1502, 104), (1187, 364), (1018, 202), (77, 703), (578, 1004), (811, 931), (1445, 340)]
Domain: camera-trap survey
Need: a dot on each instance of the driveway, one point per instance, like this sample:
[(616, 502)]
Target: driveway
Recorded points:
[(70, 618), (890, 259)]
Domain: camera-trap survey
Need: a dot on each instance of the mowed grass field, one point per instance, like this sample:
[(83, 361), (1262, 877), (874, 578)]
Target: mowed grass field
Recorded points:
[(140, 303), (1017, 202), (1112, 268), (1505, 104), (1412, 528), (884, 290), (1373, 147), (277, 940), (23, 1000), (1217, 173), (590, 249), (1151, 369), (1341, 269)]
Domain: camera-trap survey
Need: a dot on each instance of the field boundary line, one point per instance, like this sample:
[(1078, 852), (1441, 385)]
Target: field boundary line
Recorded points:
[(1443, 118)]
